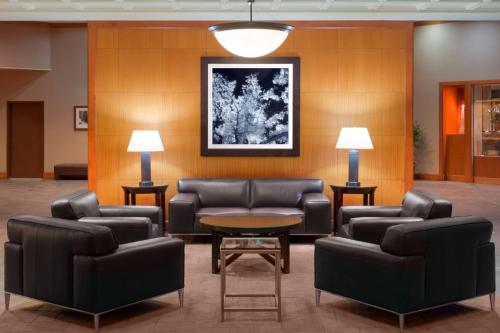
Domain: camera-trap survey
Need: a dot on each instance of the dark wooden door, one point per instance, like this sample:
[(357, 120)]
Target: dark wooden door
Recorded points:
[(25, 139)]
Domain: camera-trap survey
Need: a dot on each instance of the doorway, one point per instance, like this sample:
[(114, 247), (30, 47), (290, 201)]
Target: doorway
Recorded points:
[(453, 120), (25, 134)]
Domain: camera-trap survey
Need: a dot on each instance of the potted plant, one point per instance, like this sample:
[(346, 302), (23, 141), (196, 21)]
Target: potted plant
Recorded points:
[(418, 138)]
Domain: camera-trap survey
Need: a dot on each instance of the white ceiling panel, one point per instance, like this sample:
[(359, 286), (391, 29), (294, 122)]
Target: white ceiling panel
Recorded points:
[(87, 10)]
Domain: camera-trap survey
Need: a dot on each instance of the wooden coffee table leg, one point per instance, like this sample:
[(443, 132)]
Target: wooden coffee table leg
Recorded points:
[(216, 240), (285, 250)]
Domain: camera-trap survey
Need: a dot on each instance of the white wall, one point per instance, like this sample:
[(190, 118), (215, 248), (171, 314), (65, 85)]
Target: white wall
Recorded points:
[(448, 52), (61, 88), (24, 46)]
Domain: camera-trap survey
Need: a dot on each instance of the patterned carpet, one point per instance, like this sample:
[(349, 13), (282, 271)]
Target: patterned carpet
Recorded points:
[(201, 311)]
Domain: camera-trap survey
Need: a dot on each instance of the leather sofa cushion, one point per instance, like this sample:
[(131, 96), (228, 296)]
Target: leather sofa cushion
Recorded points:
[(288, 211), (217, 192), (76, 205), (281, 192), (425, 205)]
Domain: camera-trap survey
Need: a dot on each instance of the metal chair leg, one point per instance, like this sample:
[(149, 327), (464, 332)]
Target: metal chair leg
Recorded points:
[(317, 293), (492, 301), (401, 323), (96, 323), (7, 301), (181, 297)]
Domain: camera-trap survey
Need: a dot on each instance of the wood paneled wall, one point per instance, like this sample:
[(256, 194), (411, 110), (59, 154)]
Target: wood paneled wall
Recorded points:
[(143, 77)]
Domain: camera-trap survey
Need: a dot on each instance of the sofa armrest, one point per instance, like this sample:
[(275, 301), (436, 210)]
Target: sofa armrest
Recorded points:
[(181, 212), (372, 229), (125, 229), (154, 214), (134, 272), (317, 212), (346, 213), (363, 272)]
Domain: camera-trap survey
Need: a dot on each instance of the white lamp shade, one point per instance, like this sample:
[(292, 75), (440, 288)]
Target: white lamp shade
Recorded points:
[(251, 43), (145, 141), (354, 138)]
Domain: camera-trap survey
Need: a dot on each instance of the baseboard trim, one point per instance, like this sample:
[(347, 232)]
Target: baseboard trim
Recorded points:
[(48, 175), (455, 178), (3, 175), (427, 176), (486, 180)]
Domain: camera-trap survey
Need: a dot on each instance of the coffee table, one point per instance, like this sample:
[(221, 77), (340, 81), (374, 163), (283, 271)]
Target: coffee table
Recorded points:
[(261, 226)]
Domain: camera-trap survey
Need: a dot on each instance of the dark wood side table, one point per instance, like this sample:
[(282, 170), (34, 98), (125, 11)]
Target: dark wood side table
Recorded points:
[(130, 191), (368, 193)]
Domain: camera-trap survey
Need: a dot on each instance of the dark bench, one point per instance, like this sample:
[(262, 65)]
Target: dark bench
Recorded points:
[(71, 171)]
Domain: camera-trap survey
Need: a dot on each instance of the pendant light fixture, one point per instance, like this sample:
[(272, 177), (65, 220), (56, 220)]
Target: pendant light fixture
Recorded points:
[(251, 39)]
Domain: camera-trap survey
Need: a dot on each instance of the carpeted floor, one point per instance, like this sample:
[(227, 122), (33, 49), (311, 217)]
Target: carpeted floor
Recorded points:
[(201, 311)]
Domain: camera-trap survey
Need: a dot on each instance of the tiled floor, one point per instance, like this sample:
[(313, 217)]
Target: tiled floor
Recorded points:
[(201, 311)]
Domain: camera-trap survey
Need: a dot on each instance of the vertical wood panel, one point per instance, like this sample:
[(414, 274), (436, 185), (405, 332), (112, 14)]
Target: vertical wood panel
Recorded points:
[(149, 78), (140, 70), (360, 70)]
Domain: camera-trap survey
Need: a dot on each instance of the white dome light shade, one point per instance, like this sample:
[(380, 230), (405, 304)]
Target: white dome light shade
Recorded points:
[(145, 141), (354, 138), (251, 39)]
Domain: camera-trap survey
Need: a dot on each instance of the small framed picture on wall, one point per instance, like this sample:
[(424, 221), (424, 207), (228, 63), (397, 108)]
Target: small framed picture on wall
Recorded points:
[(81, 118)]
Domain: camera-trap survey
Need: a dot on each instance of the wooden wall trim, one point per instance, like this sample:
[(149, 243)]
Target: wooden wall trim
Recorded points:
[(455, 178), (206, 24), (426, 176), (441, 132), (91, 135), (463, 83), (3, 175), (468, 163), (487, 180), (48, 175), (409, 167), (65, 25)]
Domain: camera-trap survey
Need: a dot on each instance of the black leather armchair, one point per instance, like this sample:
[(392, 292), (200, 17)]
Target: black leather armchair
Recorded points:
[(80, 266), (129, 223), (369, 223), (417, 266)]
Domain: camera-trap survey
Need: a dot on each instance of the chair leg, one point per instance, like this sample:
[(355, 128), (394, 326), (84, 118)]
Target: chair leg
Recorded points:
[(317, 294), (492, 301), (96, 323), (7, 301), (181, 297), (401, 323)]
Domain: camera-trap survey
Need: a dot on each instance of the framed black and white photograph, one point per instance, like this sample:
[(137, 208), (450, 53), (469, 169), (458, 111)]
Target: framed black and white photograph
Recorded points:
[(81, 118), (250, 107)]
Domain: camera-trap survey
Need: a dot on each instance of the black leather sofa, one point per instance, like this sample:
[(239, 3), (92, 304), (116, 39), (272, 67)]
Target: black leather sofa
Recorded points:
[(209, 196), (369, 223), (82, 267), (129, 223), (417, 266)]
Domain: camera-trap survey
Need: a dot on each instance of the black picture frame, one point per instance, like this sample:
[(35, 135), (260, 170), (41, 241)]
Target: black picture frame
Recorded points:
[(293, 150), (80, 118)]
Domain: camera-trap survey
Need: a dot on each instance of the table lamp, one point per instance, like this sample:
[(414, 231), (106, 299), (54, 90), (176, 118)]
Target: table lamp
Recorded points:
[(145, 142), (354, 138)]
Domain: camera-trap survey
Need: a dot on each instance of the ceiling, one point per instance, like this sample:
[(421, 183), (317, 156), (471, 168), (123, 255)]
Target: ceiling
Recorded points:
[(86, 10)]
